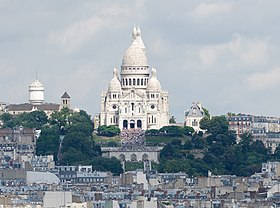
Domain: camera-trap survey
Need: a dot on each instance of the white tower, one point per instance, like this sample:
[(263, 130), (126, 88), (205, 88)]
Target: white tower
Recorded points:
[(36, 93)]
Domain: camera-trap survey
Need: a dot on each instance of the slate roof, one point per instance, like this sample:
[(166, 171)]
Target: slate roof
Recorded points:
[(195, 111), (65, 95)]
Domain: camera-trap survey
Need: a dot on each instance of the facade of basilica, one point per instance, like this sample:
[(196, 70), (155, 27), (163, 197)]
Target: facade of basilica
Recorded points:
[(134, 98)]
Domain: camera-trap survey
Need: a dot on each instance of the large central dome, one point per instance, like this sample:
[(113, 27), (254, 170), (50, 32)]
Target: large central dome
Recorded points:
[(135, 55)]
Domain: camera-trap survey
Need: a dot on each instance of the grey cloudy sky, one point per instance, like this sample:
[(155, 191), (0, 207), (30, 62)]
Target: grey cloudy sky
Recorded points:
[(224, 53)]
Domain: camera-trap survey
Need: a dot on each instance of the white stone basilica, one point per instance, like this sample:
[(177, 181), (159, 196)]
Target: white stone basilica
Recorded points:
[(134, 99)]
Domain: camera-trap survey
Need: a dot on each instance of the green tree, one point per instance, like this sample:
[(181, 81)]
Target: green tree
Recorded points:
[(216, 125), (80, 144), (107, 164), (169, 152), (34, 119), (206, 112), (112, 144), (188, 145), (48, 142), (176, 142), (108, 131), (276, 154), (171, 131), (199, 142), (172, 120), (153, 132), (187, 130), (7, 119), (217, 149)]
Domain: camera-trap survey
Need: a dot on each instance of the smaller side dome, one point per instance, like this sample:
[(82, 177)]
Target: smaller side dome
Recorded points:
[(115, 84), (153, 83)]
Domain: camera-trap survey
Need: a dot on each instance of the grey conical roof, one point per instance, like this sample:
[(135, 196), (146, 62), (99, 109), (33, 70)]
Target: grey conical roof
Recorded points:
[(65, 95)]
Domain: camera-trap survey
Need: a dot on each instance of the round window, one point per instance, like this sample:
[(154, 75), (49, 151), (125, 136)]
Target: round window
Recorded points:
[(152, 106), (114, 107)]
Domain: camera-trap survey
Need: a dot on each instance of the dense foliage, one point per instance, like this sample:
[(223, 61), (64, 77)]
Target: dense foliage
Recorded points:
[(217, 151), (34, 119), (48, 142), (173, 131), (108, 131), (67, 135)]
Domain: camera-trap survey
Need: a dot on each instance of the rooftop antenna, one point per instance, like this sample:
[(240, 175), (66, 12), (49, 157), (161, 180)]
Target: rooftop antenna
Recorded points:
[(36, 73)]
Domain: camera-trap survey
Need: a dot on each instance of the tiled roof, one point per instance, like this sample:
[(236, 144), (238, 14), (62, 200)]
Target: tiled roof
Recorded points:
[(20, 107), (29, 107)]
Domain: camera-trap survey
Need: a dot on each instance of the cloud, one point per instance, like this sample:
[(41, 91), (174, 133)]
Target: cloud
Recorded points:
[(159, 47), (210, 54), (238, 51), (262, 81), (81, 81), (7, 71), (80, 32), (205, 10), (250, 51)]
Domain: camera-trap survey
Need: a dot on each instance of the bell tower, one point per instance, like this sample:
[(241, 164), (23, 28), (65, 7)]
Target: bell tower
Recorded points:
[(65, 101)]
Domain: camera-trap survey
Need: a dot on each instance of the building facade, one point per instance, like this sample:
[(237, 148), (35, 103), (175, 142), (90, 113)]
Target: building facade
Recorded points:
[(37, 102), (194, 115), (134, 98)]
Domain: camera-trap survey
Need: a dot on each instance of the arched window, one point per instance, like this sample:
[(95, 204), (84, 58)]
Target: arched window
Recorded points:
[(126, 82), (134, 82), (138, 81), (139, 124), (129, 82), (142, 82), (125, 124)]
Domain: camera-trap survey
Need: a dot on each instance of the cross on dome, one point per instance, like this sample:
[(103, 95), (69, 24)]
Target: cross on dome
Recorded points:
[(154, 73), (115, 72), (136, 32), (135, 55)]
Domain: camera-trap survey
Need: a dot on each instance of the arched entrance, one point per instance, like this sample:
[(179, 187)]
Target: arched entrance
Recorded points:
[(122, 157), (139, 124), (145, 157), (125, 124), (133, 158), (132, 124)]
